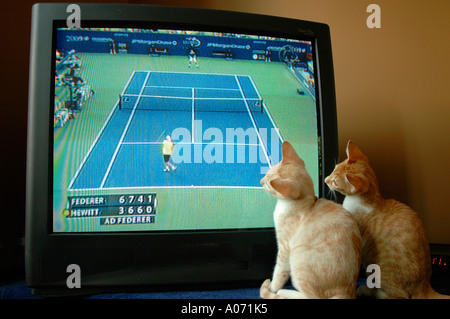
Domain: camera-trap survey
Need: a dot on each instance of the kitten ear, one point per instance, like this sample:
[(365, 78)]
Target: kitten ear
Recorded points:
[(354, 153), (288, 154), (359, 184), (283, 187)]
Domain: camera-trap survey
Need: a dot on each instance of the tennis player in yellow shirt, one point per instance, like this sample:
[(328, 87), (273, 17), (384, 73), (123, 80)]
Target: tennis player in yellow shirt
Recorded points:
[(167, 151)]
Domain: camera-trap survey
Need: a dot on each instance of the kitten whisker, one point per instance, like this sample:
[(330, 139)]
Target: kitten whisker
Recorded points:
[(332, 194)]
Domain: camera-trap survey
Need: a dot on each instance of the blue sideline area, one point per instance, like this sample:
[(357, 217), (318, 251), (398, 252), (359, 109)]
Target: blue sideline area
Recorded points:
[(19, 290)]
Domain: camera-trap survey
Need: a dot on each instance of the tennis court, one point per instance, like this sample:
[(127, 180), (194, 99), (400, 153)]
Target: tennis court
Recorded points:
[(224, 135)]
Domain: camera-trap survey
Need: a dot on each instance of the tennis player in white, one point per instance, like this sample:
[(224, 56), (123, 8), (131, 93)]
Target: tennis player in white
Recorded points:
[(167, 151)]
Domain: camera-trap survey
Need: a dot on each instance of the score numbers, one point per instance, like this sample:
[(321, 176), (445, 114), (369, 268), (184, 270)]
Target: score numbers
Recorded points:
[(133, 199), (147, 209), (113, 209), (146, 202)]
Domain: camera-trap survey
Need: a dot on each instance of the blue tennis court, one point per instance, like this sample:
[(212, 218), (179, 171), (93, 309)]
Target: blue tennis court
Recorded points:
[(223, 134)]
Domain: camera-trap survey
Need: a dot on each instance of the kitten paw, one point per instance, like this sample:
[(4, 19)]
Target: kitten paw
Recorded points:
[(265, 291)]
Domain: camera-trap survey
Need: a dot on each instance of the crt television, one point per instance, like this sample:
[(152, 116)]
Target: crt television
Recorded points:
[(149, 130)]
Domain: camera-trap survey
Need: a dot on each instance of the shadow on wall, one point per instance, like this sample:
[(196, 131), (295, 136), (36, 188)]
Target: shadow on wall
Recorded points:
[(381, 136)]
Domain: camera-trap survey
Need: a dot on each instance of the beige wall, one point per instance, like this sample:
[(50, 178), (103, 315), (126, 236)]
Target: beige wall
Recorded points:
[(393, 91), (392, 86)]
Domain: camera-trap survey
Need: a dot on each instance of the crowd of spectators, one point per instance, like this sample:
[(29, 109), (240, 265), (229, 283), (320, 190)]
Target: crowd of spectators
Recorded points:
[(71, 91)]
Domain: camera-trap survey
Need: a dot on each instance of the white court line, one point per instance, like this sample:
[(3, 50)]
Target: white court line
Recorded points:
[(193, 115), (189, 143), (267, 111), (197, 73), (253, 121), (92, 147), (128, 83), (123, 135), (72, 181), (141, 188)]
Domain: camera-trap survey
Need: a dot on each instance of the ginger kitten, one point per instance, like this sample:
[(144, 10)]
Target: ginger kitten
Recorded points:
[(319, 244), (393, 234)]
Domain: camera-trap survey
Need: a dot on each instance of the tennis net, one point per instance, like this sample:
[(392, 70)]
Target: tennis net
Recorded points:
[(189, 103)]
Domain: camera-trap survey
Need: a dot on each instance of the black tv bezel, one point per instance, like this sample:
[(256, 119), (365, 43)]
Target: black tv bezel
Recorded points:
[(111, 261)]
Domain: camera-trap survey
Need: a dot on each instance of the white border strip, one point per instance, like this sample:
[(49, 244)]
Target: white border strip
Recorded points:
[(267, 112), (72, 181), (193, 116), (113, 158), (128, 83), (165, 187), (253, 121)]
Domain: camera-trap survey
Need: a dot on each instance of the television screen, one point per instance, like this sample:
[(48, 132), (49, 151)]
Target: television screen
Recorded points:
[(149, 130), (171, 129)]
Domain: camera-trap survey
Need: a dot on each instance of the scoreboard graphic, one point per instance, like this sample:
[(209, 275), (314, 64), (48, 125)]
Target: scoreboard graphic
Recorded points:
[(123, 209)]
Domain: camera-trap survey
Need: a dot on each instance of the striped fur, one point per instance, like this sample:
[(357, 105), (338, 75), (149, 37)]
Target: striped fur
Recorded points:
[(319, 244), (393, 235)]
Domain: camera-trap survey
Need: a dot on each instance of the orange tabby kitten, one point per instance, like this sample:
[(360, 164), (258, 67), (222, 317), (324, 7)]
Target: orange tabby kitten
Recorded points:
[(393, 234), (319, 244)]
